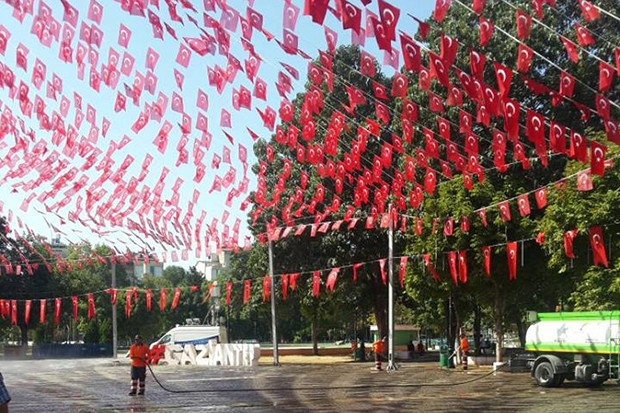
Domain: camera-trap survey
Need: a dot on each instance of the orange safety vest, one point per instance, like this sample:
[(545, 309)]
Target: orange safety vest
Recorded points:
[(378, 347), (464, 345), (139, 354)]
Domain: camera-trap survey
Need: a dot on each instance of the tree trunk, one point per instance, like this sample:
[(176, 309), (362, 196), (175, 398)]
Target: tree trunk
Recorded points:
[(380, 308), (521, 329), (23, 329), (477, 328), (315, 345), (498, 318)]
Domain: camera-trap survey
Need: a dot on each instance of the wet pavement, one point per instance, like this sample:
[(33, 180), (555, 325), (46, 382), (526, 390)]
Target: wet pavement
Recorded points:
[(101, 385)]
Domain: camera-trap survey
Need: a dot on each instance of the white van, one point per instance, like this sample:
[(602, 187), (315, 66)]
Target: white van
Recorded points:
[(193, 334)]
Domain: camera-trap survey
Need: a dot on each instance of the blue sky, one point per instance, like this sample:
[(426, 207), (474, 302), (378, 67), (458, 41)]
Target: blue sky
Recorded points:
[(15, 190)]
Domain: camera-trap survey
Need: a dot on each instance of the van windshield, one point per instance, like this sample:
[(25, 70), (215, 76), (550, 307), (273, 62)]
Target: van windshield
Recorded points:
[(165, 339)]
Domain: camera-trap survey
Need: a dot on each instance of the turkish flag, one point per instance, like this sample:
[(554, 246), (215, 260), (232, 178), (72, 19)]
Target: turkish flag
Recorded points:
[(523, 204), (229, 286), (476, 64), (511, 118), (448, 227), (602, 106), (584, 37), (486, 30), (462, 257), (541, 197), (149, 299), (42, 311), (511, 252), (597, 158), (411, 53), (401, 271), (578, 147), (175, 298), (584, 181), (441, 9), (57, 303), (557, 137), (317, 9), (486, 253), (91, 305), (567, 84), (389, 17), (504, 210), (535, 127), (569, 236), (426, 258), (453, 266), (597, 243), (292, 279), (478, 6), (266, 288), (351, 16), (606, 76), (524, 58), (74, 301), (524, 22), (382, 268), (316, 283), (330, 284), (27, 308), (588, 11), (430, 180), (162, 299), (571, 49), (246, 291), (438, 69)]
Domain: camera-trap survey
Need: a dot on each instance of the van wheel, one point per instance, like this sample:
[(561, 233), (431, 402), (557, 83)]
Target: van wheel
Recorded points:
[(544, 375)]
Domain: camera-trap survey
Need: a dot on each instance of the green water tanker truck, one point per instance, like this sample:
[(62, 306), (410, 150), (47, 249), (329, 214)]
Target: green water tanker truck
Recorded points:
[(580, 346)]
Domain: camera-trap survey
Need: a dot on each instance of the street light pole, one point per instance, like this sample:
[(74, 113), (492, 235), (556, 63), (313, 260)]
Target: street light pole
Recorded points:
[(114, 328), (391, 364), (276, 361)]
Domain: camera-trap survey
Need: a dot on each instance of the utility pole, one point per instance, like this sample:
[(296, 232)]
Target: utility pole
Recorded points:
[(391, 364), (114, 330), (276, 360)]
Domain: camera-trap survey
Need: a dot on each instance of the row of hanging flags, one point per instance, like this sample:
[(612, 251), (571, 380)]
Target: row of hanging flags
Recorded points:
[(542, 133), (456, 260), (79, 46), (399, 221)]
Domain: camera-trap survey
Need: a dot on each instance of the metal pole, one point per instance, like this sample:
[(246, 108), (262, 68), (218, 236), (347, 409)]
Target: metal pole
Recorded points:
[(114, 329), (391, 365), (276, 361)]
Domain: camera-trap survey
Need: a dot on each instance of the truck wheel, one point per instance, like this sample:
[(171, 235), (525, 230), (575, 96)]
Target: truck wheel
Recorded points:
[(544, 375), (559, 379)]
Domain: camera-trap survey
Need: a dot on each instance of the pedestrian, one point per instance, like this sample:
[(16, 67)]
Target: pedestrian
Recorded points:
[(410, 348), (378, 347), (139, 354), (463, 350), (4, 397), (420, 348)]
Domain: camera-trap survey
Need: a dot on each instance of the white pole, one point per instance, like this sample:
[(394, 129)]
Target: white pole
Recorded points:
[(391, 364), (276, 361), (114, 329)]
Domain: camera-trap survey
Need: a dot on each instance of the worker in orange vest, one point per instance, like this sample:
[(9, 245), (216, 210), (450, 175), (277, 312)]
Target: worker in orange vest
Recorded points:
[(139, 354), (378, 347), (463, 349)]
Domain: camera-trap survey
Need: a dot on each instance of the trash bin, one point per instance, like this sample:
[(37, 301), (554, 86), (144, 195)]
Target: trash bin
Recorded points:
[(444, 357)]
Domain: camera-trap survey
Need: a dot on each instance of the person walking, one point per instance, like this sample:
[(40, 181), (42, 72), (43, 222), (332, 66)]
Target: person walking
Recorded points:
[(139, 354), (378, 347), (5, 398), (463, 350)]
